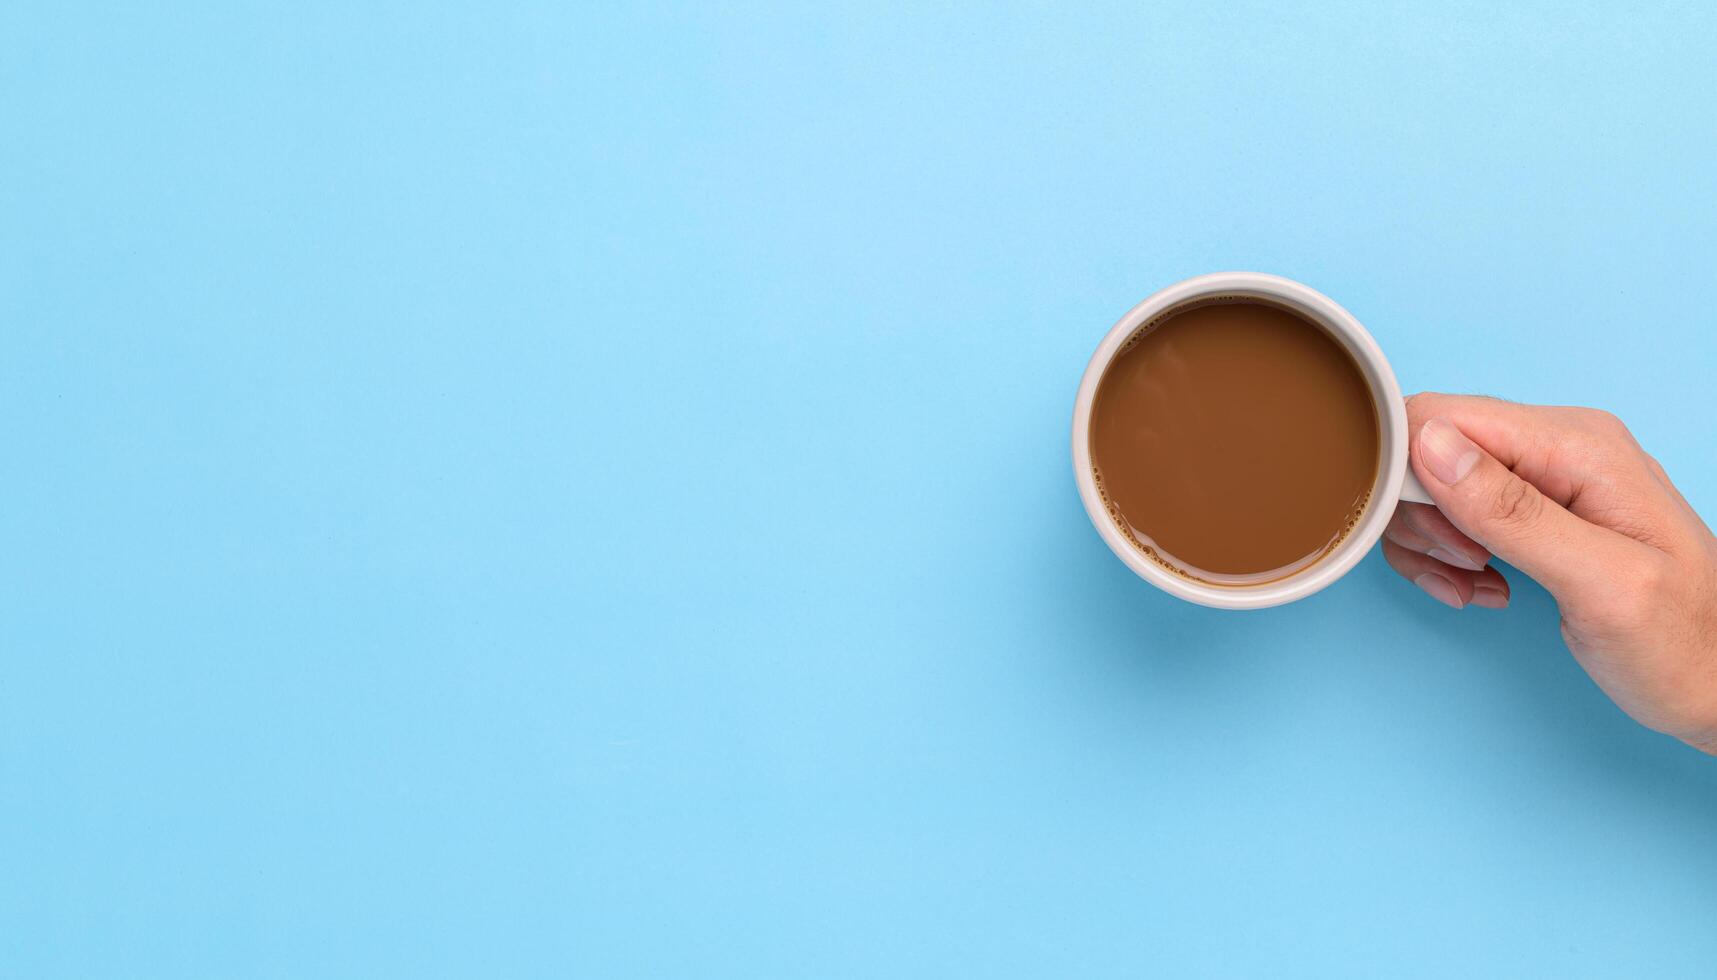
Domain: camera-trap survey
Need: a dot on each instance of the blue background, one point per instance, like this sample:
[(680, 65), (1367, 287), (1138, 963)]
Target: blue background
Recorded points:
[(525, 490)]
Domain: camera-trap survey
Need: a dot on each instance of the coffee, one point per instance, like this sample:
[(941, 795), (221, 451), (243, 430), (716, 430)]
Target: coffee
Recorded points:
[(1234, 441)]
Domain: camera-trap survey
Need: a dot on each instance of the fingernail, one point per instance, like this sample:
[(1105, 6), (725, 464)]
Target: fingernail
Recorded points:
[(1445, 451), (1490, 598), (1440, 589), (1455, 558)]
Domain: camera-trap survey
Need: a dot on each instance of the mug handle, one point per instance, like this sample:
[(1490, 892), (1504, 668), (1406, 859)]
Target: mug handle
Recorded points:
[(1412, 490)]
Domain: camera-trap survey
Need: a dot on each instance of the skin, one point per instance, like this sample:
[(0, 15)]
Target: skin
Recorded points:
[(1567, 496)]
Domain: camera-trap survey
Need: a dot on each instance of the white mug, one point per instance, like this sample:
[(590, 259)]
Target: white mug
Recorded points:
[(1395, 480)]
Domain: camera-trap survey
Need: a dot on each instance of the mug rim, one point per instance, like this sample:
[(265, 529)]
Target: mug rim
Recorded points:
[(1386, 397)]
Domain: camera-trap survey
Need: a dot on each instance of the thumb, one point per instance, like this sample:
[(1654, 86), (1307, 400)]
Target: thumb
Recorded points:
[(1506, 514)]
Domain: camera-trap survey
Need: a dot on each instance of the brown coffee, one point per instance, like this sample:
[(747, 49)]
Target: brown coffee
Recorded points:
[(1234, 441)]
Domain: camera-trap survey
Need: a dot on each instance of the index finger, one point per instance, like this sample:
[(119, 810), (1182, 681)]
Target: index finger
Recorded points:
[(1581, 458)]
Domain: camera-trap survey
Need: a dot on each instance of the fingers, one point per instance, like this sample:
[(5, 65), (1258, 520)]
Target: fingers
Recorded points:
[(1429, 551), (1583, 459), (1532, 440), (1422, 528), (1456, 587), (1518, 522)]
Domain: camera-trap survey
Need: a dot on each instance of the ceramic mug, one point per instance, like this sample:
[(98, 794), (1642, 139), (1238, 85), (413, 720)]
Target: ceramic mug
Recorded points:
[(1395, 480)]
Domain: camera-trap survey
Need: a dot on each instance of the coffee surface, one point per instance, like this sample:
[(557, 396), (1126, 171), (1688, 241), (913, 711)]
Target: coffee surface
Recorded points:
[(1235, 441)]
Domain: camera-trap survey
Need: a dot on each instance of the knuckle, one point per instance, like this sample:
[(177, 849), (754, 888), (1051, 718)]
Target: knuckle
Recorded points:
[(1605, 424), (1657, 467), (1516, 504)]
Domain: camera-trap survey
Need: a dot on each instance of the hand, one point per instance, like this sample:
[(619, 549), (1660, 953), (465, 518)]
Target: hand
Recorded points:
[(1567, 496)]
